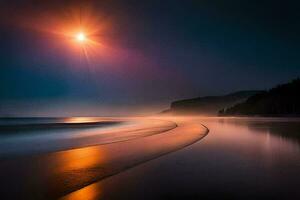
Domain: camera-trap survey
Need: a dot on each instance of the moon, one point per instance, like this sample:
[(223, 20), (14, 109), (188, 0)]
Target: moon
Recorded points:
[(80, 37)]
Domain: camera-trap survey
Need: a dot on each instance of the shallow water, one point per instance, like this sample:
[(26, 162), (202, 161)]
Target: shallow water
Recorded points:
[(49, 175), (240, 158), (26, 136)]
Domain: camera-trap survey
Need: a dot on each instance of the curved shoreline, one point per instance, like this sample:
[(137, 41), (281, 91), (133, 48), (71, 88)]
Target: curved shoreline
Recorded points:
[(68, 172), (75, 193), (55, 141)]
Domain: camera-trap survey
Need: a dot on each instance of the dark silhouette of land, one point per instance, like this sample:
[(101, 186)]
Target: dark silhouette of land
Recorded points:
[(209, 105), (283, 100)]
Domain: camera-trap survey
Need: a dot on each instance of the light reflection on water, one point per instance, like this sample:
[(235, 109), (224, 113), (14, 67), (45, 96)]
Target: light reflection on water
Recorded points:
[(53, 175), (87, 193), (78, 159), (83, 119), (244, 158), (240, 158), (43, 135)]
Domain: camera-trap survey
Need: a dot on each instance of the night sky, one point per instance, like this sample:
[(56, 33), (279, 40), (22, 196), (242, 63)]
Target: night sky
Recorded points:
[(148, 53)]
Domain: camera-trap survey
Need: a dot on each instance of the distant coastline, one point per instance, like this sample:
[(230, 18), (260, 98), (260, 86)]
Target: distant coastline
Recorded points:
[(207, 105), (280, 101)]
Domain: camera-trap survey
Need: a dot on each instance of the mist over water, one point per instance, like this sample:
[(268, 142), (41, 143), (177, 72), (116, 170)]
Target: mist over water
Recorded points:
[(91, 156), (140, 158), (19, 136), (240, 158)]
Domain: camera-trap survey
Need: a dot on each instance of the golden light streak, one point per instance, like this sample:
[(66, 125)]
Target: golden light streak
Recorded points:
[(90, 192), (80, 159)]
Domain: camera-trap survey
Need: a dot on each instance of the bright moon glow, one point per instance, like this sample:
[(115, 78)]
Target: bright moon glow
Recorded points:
[(80, 37)]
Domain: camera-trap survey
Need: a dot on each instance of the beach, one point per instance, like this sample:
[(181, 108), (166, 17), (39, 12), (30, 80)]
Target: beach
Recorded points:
[(149, 100), (91, 155), (163, 158), (240, 158)]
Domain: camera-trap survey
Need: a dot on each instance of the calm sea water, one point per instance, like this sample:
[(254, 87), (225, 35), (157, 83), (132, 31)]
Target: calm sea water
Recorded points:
[(29, 136), (19, 136), (240, 158)]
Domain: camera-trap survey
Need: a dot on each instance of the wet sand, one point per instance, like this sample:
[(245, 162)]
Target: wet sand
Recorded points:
[(163, 158), (33, 141), (52, 175), (240, 158)]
